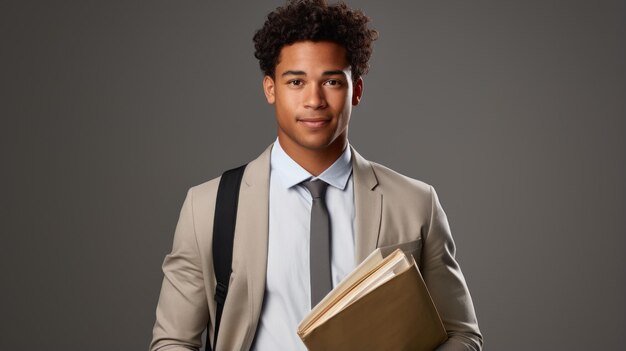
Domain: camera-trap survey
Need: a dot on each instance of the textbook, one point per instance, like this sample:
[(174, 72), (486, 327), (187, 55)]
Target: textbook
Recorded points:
[(382, 305)]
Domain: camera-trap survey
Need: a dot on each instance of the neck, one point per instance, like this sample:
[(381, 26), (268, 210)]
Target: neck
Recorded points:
[(314, 161)]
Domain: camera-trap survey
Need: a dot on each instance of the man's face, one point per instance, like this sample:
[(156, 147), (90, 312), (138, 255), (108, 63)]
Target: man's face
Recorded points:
[(313, 95)]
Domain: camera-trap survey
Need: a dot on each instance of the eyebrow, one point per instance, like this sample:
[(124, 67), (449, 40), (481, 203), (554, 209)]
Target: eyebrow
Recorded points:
[(302, 73)]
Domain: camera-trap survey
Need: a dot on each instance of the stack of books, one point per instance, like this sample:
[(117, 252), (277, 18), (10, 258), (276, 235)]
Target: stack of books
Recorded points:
[(382, 305)]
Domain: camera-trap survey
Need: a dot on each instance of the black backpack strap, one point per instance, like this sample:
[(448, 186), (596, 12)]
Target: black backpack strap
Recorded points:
[(223, 235)]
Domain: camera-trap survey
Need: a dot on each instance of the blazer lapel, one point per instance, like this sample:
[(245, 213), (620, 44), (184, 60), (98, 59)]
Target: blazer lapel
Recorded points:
[(368, 207), (252, 229)]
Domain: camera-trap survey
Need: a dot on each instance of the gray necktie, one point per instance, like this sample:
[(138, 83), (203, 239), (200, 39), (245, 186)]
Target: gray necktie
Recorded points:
[(321, 281)]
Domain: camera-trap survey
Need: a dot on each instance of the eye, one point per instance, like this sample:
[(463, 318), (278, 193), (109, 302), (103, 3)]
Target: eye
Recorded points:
[(333, 82), (295, 82)]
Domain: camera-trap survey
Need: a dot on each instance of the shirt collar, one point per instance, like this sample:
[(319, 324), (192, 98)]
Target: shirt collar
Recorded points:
[(291, 173)]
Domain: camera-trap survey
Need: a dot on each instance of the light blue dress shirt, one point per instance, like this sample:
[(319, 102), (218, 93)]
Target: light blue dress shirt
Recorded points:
[(287, 290)]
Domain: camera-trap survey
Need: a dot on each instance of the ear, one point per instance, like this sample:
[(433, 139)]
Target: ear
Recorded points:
[(357, 91), (268, 89)]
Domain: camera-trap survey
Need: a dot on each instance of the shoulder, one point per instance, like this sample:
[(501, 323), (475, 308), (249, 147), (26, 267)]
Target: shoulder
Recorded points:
[(408, 204), (257, 171), (206, 190), (403, 190), (387, 177), (404, 195), (380, 176), (401, 187)]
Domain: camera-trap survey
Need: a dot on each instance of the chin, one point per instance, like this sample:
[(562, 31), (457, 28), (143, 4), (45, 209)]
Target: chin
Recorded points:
[(317, 143), (312, 143), (315, 146)]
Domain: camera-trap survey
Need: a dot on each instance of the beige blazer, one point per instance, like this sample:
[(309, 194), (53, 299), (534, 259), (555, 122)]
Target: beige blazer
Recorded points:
[(391, 211)]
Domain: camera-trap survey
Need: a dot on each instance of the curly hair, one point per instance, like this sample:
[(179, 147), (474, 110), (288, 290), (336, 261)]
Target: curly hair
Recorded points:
[(301, 20)]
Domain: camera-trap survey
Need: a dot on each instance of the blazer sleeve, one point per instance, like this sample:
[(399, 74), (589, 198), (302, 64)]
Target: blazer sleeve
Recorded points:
[(446, 283), (182, 311)]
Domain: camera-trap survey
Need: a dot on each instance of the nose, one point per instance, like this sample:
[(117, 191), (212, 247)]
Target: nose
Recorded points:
[(315, 98)]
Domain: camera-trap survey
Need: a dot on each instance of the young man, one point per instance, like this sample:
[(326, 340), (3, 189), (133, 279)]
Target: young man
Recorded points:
[(313, 57)]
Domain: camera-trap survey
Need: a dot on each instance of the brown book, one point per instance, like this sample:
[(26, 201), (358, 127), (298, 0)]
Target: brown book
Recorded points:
[(382, 305)]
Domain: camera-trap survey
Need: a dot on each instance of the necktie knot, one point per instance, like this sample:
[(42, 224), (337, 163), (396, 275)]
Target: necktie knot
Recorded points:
[(317, 188)]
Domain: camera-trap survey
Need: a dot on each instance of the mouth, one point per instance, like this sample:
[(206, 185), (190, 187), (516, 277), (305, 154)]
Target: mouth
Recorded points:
[(314, 122)]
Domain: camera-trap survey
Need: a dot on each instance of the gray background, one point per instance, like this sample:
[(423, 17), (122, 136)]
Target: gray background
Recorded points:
[(514, 110)]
